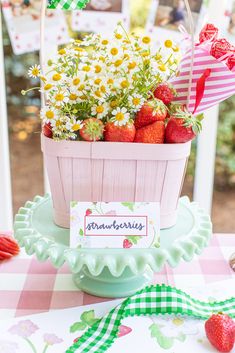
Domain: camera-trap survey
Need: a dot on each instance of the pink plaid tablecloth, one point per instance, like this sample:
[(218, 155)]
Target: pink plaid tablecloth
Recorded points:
[(28, 287)]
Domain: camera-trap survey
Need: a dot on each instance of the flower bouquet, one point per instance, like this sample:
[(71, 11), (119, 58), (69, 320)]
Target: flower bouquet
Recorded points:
[(115, 126)]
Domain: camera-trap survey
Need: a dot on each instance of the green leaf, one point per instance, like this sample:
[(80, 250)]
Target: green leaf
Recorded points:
[(89, 317), (81, 232), (78, 326), (134, 238), (129, 205), (200, 117), (181, 337), (163, 341), (73, 204)]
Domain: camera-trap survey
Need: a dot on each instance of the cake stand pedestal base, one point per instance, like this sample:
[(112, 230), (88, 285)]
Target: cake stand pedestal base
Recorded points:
[(106, 285)]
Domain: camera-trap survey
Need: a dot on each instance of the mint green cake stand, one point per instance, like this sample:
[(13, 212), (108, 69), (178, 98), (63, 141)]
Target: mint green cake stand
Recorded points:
[(111, 272)]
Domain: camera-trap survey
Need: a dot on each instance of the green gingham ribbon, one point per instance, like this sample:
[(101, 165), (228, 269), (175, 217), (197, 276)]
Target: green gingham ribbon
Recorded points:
[(153, 300), (67, 4)]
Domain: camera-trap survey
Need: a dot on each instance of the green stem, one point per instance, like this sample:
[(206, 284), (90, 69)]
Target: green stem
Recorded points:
[(31, 345), (45, 348)]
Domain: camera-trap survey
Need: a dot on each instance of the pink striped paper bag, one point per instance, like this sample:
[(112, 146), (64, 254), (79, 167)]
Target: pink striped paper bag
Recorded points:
[(212, 81)]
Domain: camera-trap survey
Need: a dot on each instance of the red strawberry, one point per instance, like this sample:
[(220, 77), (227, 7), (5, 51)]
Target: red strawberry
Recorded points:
[(165, 93), (88, 212), (47, 130), (231, 62), (8, 247), (127, 244), (115, 133), (153, 133), (92, 130), (152, 111), (220, 331), (182, 126), (209, 32)]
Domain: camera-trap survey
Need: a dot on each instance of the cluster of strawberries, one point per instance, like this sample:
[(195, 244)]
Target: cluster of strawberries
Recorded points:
[(220, 48), (158, 121)]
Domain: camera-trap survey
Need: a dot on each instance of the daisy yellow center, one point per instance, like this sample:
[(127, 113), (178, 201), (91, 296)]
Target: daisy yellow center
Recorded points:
[(118, 36), (105, 42), (127, 56), (35, 71), (59, 97), (76, 81), (176, 49), (110, 81), (120, 116), (86, 68), (118, 63), (146, 40), (102, 58), (114, 51), (47, 86), (50, 114), (99, 109), (144, 54), (58, 123), (136, 101), (73, 97), (125, 84), (98, 69), (56, 77), (168, 43), (98, 93), (103, 89), (81, 87), (178, 321), (158, 56), (97, 81), (132, 65), (113, 104), (83, 97), (62, 52), (78, 49), (162, 67), (76, 127)]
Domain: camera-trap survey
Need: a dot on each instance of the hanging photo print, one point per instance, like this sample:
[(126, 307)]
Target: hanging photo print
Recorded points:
[(23, 23), (103, 15), (167, 15)]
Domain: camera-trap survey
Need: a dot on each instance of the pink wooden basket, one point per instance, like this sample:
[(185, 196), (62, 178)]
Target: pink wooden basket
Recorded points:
[(106, 171)]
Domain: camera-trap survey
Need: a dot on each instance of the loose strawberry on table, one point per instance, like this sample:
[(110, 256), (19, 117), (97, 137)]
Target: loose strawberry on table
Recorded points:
[(8, 247), (152, 111), (117, 133), (92, 130), (153, 133), (220, 331)]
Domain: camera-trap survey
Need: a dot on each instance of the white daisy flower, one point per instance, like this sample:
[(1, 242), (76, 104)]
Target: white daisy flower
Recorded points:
[(120, 116), (60, 98), (74, 125), (34, 71), (136, 101), (47, 87), (48, 114), (100, 110)]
